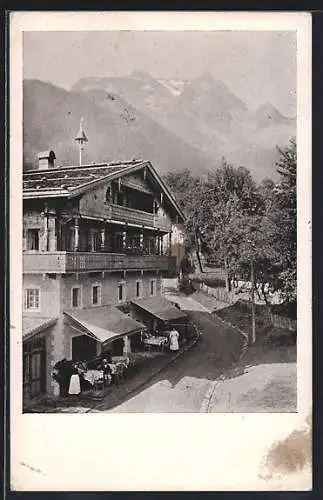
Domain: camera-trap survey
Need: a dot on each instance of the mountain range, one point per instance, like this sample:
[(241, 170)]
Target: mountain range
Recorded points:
[(177, 124)]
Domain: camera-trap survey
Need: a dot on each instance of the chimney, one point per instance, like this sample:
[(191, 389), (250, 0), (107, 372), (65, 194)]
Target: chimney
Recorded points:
[(46, 160)]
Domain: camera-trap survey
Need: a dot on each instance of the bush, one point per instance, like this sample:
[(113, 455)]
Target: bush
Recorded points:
[(186, 286), (288, 309)]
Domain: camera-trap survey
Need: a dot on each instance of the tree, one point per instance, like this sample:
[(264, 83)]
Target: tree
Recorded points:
[(243, 226), (286, 220), (221, 199), (182, 184)]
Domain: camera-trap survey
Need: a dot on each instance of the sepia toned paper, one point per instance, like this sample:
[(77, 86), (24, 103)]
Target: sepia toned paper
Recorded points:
[(161, 451)]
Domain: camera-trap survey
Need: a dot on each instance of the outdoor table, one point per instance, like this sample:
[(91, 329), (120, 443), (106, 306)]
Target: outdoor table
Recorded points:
[(159, 342), (93, 376)]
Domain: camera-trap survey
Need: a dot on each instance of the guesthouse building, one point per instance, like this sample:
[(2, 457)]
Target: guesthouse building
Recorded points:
[(95, 238)]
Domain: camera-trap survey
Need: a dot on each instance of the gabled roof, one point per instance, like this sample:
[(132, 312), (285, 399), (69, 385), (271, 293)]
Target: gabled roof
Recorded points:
[(68, 182)]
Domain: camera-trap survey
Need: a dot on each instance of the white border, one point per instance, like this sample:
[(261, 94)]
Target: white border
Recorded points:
[(168, 452)]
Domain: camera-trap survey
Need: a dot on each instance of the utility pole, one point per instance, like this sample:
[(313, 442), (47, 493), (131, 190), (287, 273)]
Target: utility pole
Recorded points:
[(253, 312)]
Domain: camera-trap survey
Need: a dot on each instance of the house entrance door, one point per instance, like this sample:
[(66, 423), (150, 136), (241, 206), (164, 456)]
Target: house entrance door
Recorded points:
[(34, 365)]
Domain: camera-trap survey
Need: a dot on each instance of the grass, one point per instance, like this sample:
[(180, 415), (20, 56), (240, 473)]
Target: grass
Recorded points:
[(239, 314)]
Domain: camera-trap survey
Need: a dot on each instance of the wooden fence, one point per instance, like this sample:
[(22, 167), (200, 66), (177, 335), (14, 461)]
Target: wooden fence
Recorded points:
[(283, 322)]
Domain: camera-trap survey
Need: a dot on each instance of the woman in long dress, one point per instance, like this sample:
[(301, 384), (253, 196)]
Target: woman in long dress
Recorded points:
[(75, 385), (173, 340)]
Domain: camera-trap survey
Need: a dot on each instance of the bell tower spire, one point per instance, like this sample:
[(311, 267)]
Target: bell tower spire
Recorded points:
[(81, 139)]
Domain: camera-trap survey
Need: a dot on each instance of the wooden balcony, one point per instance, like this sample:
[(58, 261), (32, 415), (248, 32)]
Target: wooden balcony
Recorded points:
[(67, 262), (131, 215)]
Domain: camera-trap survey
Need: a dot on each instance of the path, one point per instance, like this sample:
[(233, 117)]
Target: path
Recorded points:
[(182, 386)]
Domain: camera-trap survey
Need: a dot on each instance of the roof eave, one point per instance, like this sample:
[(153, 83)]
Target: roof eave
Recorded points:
[(44, 194), (166, 190)]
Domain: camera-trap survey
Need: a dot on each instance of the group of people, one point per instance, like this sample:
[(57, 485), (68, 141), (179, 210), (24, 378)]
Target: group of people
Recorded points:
[(75, 377), (72, 376)]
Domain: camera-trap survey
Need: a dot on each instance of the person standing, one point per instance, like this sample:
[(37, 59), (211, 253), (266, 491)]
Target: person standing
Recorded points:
[(106, 372), (75, 385), (173, 340)]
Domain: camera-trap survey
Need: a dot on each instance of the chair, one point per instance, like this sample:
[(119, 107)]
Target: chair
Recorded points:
[(98, 383)]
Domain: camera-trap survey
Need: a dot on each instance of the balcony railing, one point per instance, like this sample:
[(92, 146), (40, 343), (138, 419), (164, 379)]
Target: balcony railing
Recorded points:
[(126, 214), (65, 262)]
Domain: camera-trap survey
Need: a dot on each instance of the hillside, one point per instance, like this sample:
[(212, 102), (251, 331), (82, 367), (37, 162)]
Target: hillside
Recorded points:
[(115, 129), (205, 113)]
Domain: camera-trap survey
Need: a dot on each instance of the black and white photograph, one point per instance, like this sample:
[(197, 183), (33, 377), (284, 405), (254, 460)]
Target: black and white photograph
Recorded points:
[(160, 223)]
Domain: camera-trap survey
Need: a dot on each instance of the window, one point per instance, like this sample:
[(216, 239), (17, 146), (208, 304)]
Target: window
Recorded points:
[(152, 287), (76, 297), (96, 295), (33, 239), (138, 289), (121, 292), (32, 299)]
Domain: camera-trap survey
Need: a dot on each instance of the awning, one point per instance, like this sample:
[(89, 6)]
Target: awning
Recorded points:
[(32, 326), (104, 323), (159, 307)]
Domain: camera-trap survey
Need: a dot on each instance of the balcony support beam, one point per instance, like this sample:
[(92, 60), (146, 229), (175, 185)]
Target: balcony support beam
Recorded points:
[(161, 245), (124, 239), (102, 232), (141, 240), (45, 237), (76, 234), (170, 243), (92, 246)]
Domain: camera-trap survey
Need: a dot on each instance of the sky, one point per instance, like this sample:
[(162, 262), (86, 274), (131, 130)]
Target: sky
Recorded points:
[(258, 67)]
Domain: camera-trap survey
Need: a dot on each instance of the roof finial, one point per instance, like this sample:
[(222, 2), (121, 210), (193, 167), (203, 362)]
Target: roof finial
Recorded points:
[(81, 139)]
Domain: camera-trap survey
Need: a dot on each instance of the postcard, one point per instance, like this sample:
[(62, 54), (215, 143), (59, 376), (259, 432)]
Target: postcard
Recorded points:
[(160, 266)]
